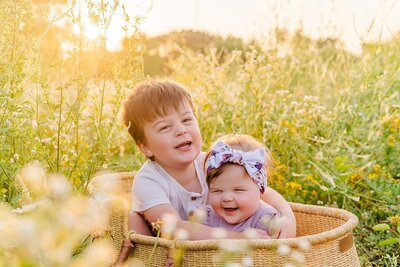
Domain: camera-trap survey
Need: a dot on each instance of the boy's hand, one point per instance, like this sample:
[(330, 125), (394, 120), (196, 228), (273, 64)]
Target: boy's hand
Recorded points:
[(288, 227)]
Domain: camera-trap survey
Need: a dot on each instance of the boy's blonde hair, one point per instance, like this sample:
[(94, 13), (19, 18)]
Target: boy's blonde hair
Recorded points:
[(151, 99), (241, 142)]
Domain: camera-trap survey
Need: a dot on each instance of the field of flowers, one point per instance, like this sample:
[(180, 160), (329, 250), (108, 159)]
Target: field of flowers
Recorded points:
[(330, 118)]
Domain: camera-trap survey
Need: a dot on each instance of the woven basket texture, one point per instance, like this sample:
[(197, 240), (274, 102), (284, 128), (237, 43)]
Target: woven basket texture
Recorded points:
[(328, 230)]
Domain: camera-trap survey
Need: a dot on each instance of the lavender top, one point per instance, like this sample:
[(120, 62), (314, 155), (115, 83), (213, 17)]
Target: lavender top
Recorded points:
[(255, 221)]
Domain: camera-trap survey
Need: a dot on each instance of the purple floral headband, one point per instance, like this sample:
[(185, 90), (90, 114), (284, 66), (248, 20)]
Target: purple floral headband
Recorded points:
[(252, 161)]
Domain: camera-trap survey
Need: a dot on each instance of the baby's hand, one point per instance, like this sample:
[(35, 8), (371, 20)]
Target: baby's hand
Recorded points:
[(274, 224), (254, 233), (263, 234)]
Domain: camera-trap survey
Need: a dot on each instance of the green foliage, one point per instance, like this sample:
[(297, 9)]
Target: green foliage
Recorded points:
[(381, 227), (393, 228)]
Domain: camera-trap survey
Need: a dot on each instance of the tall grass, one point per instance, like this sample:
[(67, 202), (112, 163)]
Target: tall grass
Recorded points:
[(330, 118), (55, 110)]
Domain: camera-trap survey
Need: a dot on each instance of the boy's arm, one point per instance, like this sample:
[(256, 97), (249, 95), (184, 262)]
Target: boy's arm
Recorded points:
[(288, 222), (138, 224), (196, 231)]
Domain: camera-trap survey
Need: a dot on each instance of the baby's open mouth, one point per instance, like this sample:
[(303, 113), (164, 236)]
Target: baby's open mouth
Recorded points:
[(184, 144), (230, 209)]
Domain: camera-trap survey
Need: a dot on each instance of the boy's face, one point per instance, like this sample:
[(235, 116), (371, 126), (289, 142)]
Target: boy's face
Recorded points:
[(173, 140), (234, 195)]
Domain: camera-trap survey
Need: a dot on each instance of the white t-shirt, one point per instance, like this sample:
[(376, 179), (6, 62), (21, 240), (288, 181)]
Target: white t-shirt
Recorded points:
[(153, 186)]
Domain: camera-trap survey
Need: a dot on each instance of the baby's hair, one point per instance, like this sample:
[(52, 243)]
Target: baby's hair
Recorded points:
[(241, 142), (151, 99)]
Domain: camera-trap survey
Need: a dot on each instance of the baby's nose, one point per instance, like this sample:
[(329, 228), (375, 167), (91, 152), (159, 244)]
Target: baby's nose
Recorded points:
[(227, 196)]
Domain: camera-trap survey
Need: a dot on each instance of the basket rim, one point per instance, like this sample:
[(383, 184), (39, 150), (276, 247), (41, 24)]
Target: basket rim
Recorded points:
[(350, 219), (121, 175), (96, 180)]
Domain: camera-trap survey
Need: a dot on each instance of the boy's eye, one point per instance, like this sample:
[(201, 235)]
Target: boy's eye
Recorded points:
[(163, 128), (187, 120)]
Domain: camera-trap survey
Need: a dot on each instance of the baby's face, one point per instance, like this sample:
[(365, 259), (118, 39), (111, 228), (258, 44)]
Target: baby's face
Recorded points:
[(234, 195)]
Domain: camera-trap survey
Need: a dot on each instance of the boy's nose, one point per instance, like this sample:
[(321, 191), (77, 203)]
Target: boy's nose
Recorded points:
[(180, 130)]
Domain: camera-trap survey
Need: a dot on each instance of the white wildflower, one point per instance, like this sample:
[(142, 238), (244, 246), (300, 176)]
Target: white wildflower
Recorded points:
[(218, 233), (59, 186), (34, 124), (354, 198), (33, 177), (181, 234), (46, 140), (199, 215), (247, 261), (323, 188), (297, 257), (251, 233), (236, 53), (283, 249), (233, 245), (310, 98), (282, 92), (99, 253), (319, 155), (304, 244), (85, 113), (169, 223), (24, 208)]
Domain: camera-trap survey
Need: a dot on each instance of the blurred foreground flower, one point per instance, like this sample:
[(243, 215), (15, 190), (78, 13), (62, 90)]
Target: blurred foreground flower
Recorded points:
[(53, 228), (169, 224)]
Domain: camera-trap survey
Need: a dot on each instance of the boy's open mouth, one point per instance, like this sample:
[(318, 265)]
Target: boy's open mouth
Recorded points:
[(184, 144)]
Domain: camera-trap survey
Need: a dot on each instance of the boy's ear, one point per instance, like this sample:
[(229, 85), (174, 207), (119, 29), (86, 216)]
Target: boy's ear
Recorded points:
[(145, 149)]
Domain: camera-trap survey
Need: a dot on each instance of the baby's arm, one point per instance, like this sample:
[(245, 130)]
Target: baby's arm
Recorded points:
[(196, 231), (288, 220)]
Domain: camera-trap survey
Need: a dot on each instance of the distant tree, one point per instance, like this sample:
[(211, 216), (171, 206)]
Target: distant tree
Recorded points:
[(163, 48)]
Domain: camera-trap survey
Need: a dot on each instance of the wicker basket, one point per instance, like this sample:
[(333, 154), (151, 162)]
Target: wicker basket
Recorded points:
[(328, 230)]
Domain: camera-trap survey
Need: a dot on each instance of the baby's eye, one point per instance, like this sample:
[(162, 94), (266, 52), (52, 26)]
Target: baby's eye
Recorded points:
[(240, 190), (215, 191)]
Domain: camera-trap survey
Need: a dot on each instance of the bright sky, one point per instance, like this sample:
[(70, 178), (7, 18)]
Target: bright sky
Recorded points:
[(351, 21)]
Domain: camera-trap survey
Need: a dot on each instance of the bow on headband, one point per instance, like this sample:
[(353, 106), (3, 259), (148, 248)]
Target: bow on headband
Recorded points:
[(252, 161)]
